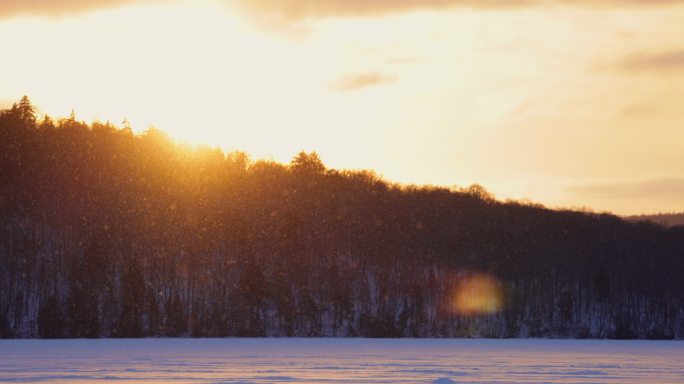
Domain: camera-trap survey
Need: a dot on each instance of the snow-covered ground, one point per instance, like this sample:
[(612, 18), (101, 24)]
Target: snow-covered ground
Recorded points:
[(341, 360)]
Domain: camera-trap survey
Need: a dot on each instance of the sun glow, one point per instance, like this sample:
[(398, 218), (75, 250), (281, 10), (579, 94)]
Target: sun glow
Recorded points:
[(198, 73), (502, 98), (207, 75), (478, 294)]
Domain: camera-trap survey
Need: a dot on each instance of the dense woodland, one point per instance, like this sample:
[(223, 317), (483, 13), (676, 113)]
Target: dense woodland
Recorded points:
[(664, 219), (105, 233)]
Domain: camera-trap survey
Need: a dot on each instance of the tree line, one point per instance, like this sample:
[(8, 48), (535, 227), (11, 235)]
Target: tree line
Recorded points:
[(664, 219), (107, 233)]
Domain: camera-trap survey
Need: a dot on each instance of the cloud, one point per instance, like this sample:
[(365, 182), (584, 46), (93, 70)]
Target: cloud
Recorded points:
[(661, 62), (404, 60), (669, 188), (288, 11), (10, 8), (636, 110), (358, 81)]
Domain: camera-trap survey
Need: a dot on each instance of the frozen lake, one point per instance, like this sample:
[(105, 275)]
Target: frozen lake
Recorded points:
[(341, 361)]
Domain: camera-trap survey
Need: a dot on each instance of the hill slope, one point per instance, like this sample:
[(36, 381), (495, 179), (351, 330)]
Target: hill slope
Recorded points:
[(664, 219), (106, 233)]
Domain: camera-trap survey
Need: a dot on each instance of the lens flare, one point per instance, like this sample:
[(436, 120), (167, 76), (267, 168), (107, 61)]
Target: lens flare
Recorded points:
[(478, 294)]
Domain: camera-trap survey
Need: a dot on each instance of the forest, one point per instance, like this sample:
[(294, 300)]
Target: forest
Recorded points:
[(664, 219), (107, 233)]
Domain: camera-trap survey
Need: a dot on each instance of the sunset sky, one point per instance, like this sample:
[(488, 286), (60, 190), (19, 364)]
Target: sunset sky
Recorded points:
[(567, 103)]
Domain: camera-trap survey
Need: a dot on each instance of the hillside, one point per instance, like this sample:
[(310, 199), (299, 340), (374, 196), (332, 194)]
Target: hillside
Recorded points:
[(104, 233), (664, 219)]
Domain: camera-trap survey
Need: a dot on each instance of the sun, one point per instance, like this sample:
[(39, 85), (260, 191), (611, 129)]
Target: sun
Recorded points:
[(195, 71)]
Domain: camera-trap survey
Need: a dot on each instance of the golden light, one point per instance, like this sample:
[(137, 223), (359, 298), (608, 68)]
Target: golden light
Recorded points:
[(438, 97), (478, 294)]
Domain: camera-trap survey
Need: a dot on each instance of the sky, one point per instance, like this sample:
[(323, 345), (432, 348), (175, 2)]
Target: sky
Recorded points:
[(571, 104)]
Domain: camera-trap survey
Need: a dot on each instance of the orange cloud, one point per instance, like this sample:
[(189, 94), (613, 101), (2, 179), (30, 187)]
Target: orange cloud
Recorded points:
[(297, 10), (662, 61), (358, 81), (9, 8), (279, 11)]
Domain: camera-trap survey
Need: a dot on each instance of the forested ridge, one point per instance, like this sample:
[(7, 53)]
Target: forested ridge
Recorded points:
[(105, 233), (664, 219)]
